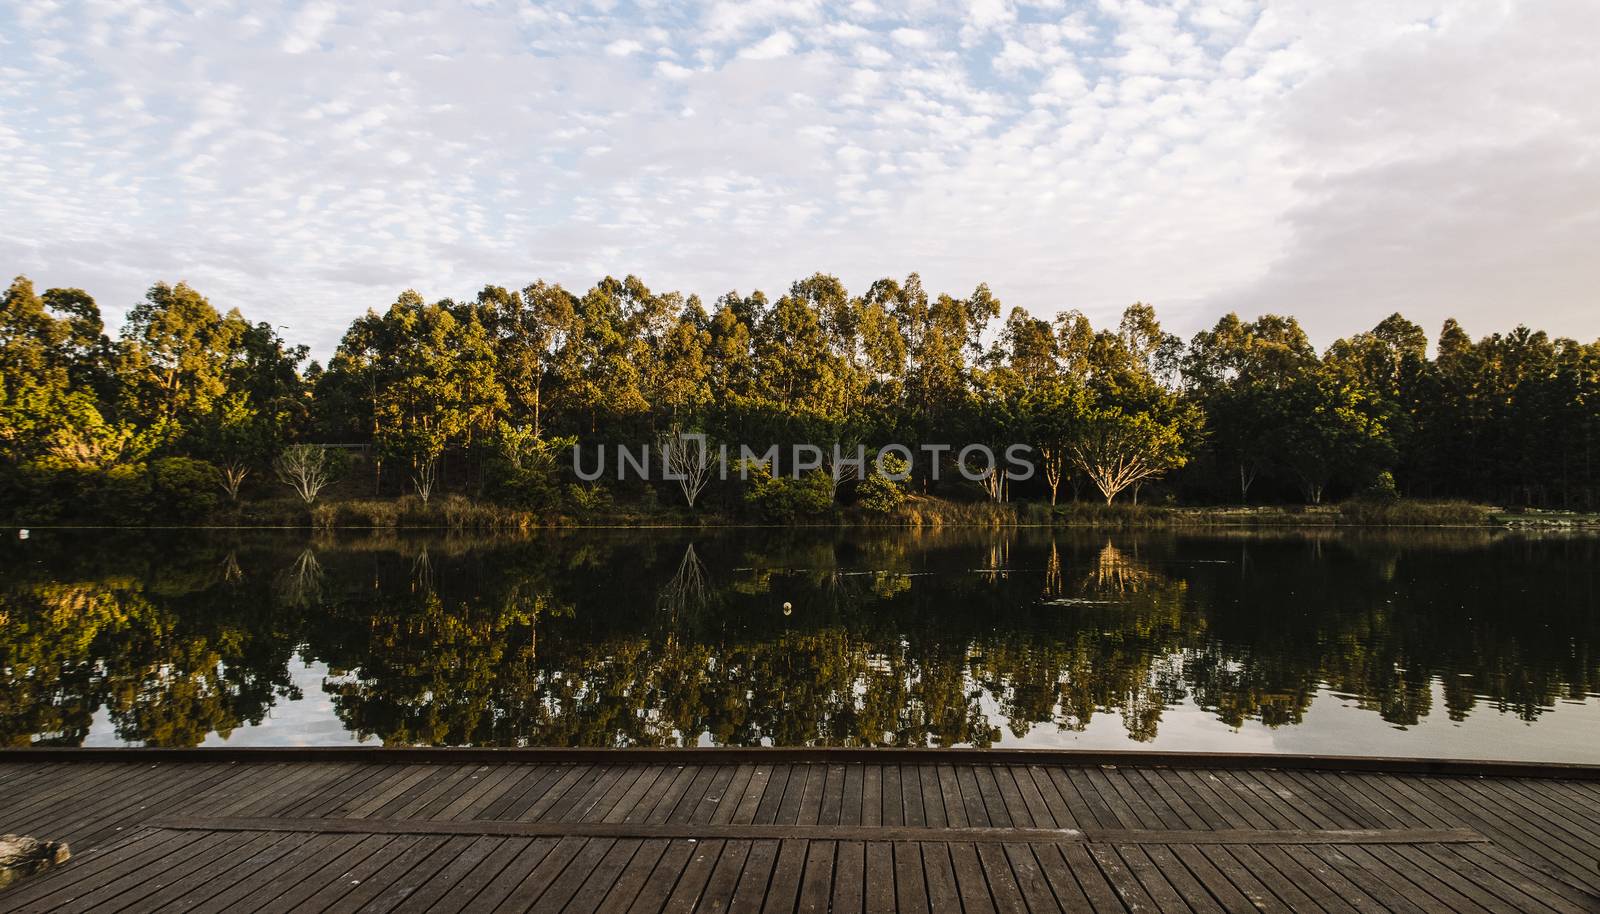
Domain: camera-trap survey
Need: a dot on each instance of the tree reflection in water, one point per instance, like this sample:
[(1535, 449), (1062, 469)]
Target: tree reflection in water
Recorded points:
[(955, 637)]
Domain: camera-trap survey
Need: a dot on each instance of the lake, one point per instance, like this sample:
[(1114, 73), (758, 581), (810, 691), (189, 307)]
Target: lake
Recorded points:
[(1457, 644)]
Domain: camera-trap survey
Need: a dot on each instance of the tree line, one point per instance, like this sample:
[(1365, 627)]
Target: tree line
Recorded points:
[(189, 405)]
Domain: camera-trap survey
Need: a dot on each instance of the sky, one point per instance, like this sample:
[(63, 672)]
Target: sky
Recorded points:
[(307, 161)]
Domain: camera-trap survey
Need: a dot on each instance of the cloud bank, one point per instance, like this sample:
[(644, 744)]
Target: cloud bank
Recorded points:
[(309, 161)]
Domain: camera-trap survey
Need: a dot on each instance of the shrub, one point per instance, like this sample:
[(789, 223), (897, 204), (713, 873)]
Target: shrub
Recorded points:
[(532, 487), (589, 499), (182, 489), (779, 498), (878, 494), (125, 494)]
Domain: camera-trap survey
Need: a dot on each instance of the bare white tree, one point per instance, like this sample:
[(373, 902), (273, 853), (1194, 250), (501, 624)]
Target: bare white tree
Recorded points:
[(688, 462), (304, 468), (1117, 450), (231, 476), (425, 476)]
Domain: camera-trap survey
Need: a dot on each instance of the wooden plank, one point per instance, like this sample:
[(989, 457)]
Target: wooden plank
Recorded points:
[(563, 885), (454, 879), (692, 881), (969, 876), (1004, 892), (513, 779), (751, 890), (599, 881), (892, 805), (1411, 882), (928, 793), (970, 798), (871, 802), (1276, 882), (1039, 813), (784, 886), (684, 809), (1093, 879), (291, 880), (1117, 874), (1171, 868), (556, 809), (1224, 891), (724, 882), (1155, 883), (532, 805), (772, 795), (910, 880), (1540, 848), (527, 789), (1525, 877), (733, 794), (527, 890), (669, 798), (609, 786), (329, 893), (816, 883), (77, 881), (754, 791), (1001, 799), (829, 809), (711, 801), (387, 887), (878, 896), (850, 877), (1371, 884), (810, 811), (939, 877), (625, 888), (1337, 883), (658, 885), (967, 832), (1490, 891), (1274, 860), (202, 871), (495, 885), (302, 868), (1139, 813), (852, 804)]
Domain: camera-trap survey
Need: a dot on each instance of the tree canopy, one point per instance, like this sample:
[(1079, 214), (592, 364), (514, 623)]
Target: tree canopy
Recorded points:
[(1246, 410)]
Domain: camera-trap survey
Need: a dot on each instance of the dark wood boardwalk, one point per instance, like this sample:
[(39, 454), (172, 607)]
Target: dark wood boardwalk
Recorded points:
[(787, 832)]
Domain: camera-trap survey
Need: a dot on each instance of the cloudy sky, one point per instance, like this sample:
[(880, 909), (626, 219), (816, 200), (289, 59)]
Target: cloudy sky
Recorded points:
[(1337, 161)]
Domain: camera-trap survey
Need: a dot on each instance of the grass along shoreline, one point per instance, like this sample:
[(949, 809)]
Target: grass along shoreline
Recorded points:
[(456, 512)]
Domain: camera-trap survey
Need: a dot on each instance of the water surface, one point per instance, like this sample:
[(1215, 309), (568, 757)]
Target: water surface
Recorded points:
[(1467, 644)]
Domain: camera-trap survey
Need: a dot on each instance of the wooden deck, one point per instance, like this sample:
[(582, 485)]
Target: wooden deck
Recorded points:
[(787, 831)]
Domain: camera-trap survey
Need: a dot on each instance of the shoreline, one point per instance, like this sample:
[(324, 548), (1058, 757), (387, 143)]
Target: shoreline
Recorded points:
[(932, 514)]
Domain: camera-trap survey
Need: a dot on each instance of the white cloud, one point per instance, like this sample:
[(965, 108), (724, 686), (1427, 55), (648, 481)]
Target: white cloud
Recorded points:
[(308, 26), (911, 38), (1431, 156), (778, 44)]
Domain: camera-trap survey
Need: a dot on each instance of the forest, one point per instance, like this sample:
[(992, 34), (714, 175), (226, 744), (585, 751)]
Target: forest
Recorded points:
[(191, 413)]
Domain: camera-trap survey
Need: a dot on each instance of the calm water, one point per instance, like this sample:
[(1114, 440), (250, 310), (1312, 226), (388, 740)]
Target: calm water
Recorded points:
[(1470, 644)]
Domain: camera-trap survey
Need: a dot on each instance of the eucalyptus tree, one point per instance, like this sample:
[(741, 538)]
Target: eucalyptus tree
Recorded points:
[(1238, 372), (177, 356), (528, 330)]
